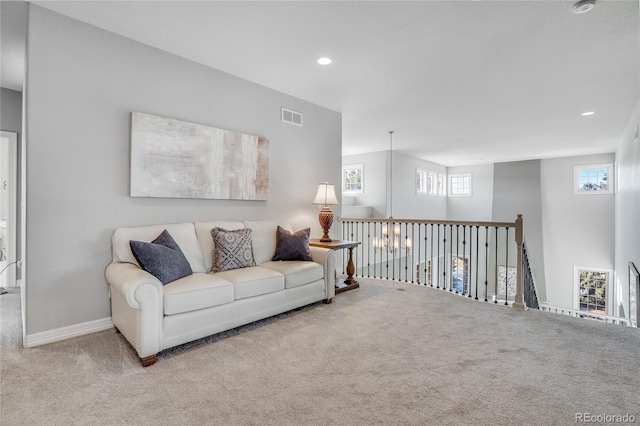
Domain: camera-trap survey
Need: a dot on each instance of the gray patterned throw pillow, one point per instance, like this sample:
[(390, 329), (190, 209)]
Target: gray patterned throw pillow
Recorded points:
[(292, 246), (232, 249)]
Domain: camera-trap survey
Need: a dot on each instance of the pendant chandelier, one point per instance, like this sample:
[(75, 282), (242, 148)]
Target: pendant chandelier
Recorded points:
[(391, 239)]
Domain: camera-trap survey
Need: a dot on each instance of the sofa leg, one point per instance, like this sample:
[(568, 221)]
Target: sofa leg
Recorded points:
[(148, 360), (327, 301)]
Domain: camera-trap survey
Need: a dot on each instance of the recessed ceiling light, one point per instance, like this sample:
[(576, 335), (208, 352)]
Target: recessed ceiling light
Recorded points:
[(584, 6), (324, 61), (588, 113)]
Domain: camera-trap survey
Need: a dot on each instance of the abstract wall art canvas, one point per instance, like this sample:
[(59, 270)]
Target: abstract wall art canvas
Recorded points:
[(176, 159)]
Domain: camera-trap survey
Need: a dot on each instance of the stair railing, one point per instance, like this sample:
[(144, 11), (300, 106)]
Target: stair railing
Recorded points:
[(479, 260), (528, 286)]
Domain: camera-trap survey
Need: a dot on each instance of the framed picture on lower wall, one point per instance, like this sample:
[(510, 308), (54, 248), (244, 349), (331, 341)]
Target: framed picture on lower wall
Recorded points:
[(177, 159)]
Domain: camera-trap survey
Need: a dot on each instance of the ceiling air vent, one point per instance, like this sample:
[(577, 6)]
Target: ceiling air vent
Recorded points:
[(291, 117)]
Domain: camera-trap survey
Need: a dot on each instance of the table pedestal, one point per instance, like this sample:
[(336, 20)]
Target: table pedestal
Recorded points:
[(350, 281)]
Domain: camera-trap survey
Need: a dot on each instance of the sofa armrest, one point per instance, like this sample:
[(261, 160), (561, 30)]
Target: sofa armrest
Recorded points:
[(126, 278), (136, 306), (327, 258)]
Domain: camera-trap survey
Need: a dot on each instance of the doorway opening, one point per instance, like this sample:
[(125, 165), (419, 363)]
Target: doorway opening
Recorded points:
[(12, 234), (8, 211)]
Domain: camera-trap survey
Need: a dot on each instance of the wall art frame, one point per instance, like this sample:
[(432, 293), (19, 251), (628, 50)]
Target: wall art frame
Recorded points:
[(177, 159)]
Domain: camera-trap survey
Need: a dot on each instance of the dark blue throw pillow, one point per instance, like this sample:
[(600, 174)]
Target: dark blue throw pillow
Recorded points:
[(162, 258)]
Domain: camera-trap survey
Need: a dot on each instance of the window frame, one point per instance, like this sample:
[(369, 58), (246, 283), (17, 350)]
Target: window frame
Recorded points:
[(610, 179), (353, 167), (608, 289), (434, 183), (441, 185), (425, 181), (462, 176)]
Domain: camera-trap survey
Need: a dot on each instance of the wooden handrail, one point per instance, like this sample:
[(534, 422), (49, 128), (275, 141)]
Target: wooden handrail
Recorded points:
[(436, 222)]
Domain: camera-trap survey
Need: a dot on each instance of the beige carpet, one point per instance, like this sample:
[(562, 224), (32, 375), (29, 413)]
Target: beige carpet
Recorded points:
[(387, 353)]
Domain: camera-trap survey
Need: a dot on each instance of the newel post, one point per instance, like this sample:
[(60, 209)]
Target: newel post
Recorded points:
[(518, 304)]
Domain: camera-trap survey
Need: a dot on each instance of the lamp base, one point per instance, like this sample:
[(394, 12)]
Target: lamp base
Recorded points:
[(326, 220)]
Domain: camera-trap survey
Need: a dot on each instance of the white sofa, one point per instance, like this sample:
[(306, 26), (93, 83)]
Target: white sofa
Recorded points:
[(153, 317)]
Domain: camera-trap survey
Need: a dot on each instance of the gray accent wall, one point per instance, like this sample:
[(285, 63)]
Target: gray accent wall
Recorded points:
[(516, 190), (82, 84), (11, 111)]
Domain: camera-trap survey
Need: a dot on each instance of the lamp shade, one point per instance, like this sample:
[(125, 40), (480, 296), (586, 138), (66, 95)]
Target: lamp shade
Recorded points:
[(326, 194)]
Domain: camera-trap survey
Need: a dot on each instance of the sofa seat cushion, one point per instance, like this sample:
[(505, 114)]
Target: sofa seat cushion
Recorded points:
[(252, 281), (296, 272), (197, 291)]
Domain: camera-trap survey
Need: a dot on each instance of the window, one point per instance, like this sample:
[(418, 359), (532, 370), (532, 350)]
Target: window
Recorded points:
[(591, 294), (457, 272), (430, 183), (353, 179), (460, 275), (441, 186), (421, 181), (593, 179), (460, 185)]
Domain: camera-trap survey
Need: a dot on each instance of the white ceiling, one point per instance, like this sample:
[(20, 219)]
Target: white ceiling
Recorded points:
[(460, 82)]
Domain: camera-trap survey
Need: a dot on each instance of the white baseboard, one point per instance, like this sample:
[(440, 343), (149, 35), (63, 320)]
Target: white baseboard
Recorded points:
[(37, 339)]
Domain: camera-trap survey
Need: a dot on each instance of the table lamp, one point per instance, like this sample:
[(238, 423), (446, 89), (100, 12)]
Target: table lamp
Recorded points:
[(326, 196)]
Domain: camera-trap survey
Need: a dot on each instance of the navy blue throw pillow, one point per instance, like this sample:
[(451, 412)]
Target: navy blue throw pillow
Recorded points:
[(292, 246), (162, 258)]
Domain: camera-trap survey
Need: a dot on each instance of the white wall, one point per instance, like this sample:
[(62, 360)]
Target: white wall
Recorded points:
[(578, 230), (82, 84), (478, 207), (406, 203), (375, 189), (627, 229)]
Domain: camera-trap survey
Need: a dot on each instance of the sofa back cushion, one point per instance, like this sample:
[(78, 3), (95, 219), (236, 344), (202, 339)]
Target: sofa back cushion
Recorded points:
[(205, 241), (183, 234), (264, 238)]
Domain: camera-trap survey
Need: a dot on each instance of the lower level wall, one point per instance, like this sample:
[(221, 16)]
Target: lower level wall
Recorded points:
[(578, 230)]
